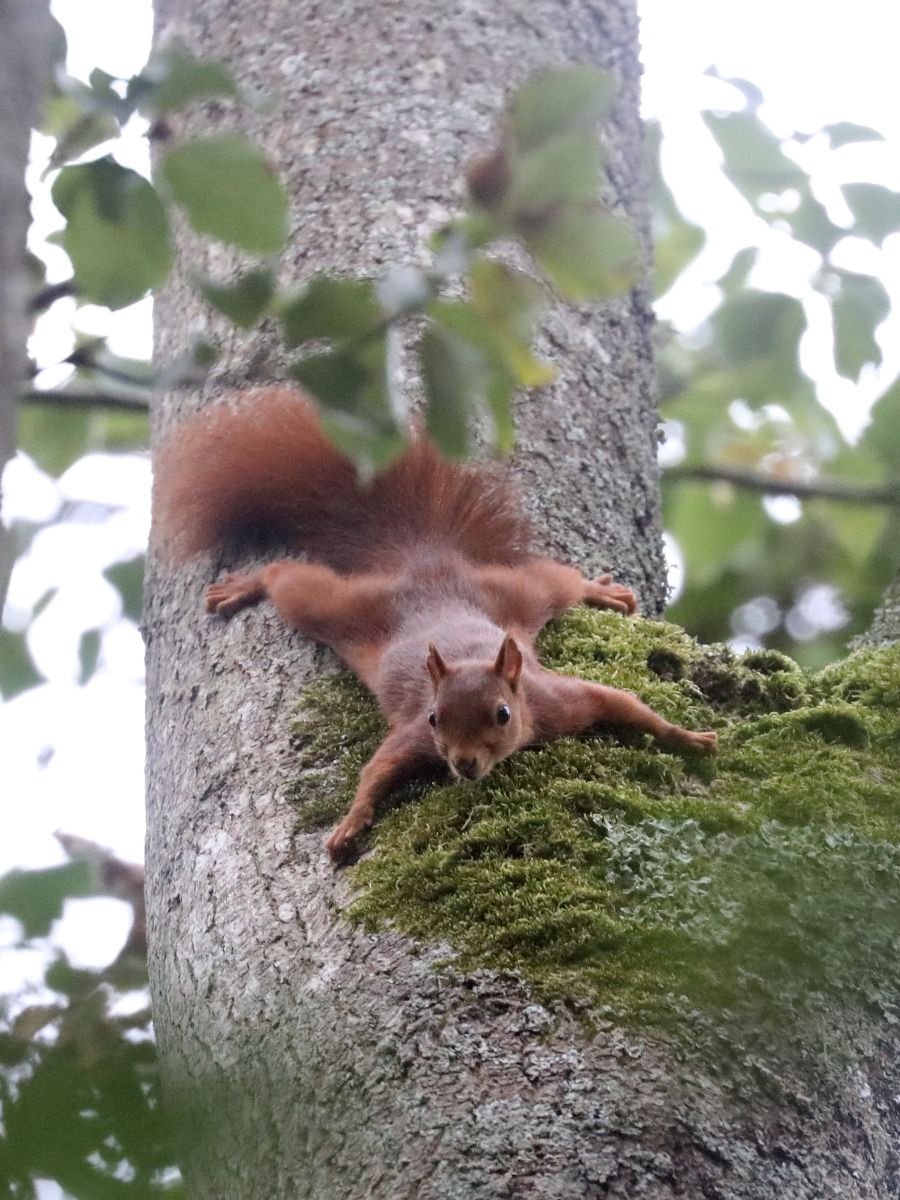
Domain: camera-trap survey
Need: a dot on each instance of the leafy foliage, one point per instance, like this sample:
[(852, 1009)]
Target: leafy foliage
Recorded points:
[(542, 189), (116, 233), (79, 1084), (741, 406)]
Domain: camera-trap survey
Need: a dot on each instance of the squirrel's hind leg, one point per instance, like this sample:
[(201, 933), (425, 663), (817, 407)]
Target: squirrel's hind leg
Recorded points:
[(531, 595)]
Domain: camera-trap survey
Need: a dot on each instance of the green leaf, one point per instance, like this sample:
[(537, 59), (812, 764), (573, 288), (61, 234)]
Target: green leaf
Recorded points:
[(128, 579), (754, 160), (174, 79), (715, 527), (857, 310), (810, 223), (882, 435), (674, 250), (102, 94), (54, 436), (36, 898), (78, 125), (844, 132), (88, 653), (562, 170), (560, 101), (371, 447), (334, 378), (455, 376), (511, 303), (876, 209), (17, 671), (116, 235), (463, 322), (585, 253), (735, 278), (336, 309), (243, 301), (856, 527), (228, 190), (70, 101), (759, 325), (73, 982), (358, 409)]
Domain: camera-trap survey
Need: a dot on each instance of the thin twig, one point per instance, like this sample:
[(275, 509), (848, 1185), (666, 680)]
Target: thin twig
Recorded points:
[(64, 399), (817, 489), (48, 295)]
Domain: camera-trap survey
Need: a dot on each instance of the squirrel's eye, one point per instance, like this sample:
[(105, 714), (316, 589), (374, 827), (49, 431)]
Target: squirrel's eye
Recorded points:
[(502, 714), (432, 720)]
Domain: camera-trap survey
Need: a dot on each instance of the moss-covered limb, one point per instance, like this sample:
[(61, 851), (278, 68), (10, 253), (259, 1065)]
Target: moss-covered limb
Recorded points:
[(762, 886), (885, 628)]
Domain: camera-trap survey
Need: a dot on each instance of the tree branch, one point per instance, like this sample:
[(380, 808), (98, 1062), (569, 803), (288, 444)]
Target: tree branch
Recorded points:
[(817, 489), (64, 399), (48, 295)]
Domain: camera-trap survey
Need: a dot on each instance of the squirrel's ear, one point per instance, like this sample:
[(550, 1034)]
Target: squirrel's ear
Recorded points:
[(509, 661), (437, 668)]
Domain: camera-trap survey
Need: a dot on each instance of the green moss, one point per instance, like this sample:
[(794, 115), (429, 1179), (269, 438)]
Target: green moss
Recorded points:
[(336, 730), (752, 893)]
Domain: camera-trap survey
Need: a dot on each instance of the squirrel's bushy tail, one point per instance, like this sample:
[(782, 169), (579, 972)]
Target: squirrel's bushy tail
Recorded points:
[(263, 471)]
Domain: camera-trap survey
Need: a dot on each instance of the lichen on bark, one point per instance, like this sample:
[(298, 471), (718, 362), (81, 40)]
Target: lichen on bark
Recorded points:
[(744, 898)]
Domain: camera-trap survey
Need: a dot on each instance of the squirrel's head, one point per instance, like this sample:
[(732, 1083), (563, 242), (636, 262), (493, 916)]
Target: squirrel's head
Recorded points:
[(478, 716)]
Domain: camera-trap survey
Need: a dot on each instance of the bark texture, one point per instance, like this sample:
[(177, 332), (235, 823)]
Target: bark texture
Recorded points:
[(24, 77), (315, 1060)]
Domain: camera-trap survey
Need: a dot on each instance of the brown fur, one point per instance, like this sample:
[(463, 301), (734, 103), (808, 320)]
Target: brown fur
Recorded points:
[(423, 583), (261, 469)]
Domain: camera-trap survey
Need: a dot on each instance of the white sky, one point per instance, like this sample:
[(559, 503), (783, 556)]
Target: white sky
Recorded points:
[(816, 63)]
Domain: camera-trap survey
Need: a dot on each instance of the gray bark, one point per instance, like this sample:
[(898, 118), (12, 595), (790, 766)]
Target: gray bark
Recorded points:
[(312, 1059), (24, 78)]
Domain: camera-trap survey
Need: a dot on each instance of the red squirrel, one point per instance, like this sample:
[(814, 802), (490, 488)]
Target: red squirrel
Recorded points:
[(423, 581)]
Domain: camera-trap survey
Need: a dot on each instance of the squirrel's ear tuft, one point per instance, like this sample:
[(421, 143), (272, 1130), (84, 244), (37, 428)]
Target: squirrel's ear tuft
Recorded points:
[(509, 661), (437, 668)]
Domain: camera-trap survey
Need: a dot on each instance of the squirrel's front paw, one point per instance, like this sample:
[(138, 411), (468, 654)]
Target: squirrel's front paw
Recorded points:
[(603, 593), (695, 743), (232, 593), (340, 843)]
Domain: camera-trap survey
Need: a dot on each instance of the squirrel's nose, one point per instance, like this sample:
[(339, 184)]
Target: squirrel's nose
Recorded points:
[(467, 767)]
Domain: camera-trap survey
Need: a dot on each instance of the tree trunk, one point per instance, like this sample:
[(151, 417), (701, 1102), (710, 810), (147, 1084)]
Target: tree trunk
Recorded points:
[(24, 78), (313, 1059)]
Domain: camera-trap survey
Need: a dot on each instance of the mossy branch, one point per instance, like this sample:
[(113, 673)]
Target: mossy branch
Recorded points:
[(745, 898)]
